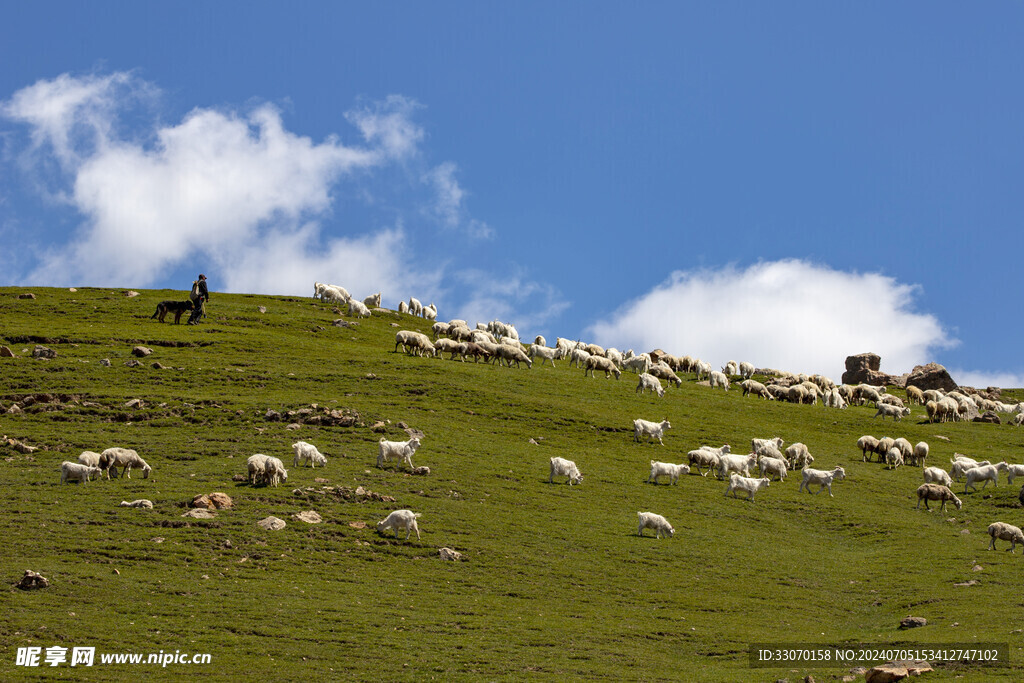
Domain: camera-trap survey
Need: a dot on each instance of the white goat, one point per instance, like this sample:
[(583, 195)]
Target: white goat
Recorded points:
[(560, 467), (736, 463), (402, 450), (274, 472), (772, 467), (400, 519), (358, 309), (985, 473), (307, 451), (654, 430), (649, 382), (823, 478), (718, 379), (650, 520), (937, 475), (76, 471), (89, 458), (666, 469), (751, 486)]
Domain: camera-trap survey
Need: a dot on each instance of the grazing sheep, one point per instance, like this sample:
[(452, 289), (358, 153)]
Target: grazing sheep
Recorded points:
[(823, 478), (307, 451), (402, 450), (601, 363), (985, 473), (772, 467), (905, 449), (915, 395), (663, 371), (736, 463), (649, 520), (654, 430), (560, 467), (1018, 420), (257, 467), (1005, 532), (706, 456), (414, 342), (400, 519), (718, 379), (883, 447), (798, 456), (358, 309), (928, 492), (867, 443), (751, 386), (895, 412), (920, 453), (893, 458), (833, 399), (89, 459), (274, 472), (637, 364), (126, 458), (751, 486), (578, 358), (512, 354), (666, 469), (649, 382), (767, 447), (76, 471), (937, 475), (442, 346)]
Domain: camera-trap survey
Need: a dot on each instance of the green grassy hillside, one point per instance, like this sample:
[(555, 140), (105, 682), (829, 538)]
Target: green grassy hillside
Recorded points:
[(555, 580)]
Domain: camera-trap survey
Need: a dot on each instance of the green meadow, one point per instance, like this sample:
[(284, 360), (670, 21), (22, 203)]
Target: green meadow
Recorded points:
[(555, 582)]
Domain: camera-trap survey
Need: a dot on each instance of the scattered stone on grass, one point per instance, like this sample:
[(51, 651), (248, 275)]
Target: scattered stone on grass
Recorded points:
[(972, 582), (896, 671), (200, 513), (272, 523), (32, 581), (5, 352), (359, 524), (135, 403), (262, 309), (294, 426), (141, 351), (379, 427), (239, 477), (422, 470), (158, 366), (309, 516), (105, 362), (213, 501), (18, 445), (140, 503), (41, 351), (130, 293), (450, 555), (133, 363), (913, 622)]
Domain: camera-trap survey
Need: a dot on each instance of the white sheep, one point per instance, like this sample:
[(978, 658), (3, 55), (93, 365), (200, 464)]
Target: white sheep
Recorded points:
[(560, 467), (666, 469), (985, 473), (731, 368), (706, 456), (752, 386), (649, 382), (308, 452), (403, 307), (736, 463), (89, 459), (578, 358), (545, 353), (751, 486), (867, 443), (772, 467), (601, 363), (637, 364), (889, 410), (920, 453), (1005, 532), (823, 478), (141, 503), (718, 379), (937, 475), (402, 450), (650, 520), (400, 519), (959, 468), (746, 369), (654, 430), (76, 471), (126, 458), (430, 312), (415, 307), (372, 301), (1014, 471), (358, 309), (769, 447), (256, 465), (335, 293), (512, 354), (893, 458), (274, 472), (940, 492), (798, 456)]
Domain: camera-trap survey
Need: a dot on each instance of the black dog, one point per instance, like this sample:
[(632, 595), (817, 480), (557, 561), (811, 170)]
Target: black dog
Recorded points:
[(177, 307)]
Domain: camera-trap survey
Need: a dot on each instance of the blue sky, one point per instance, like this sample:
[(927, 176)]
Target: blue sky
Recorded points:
[(784, 183)]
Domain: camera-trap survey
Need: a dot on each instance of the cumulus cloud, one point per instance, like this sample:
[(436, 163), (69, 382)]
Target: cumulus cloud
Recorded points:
[(789, 314), (217, 183)]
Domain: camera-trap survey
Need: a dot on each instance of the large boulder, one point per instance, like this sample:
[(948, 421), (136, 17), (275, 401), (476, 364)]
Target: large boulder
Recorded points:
[(864, 368), (931, 376)]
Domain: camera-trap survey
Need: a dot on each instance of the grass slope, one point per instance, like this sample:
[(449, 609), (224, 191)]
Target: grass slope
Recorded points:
[(555, 581)]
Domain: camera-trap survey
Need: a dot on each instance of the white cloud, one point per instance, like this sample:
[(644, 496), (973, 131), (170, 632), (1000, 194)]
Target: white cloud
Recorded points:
[(983, 379), (448, 204), (789, 314), (217, 183)]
